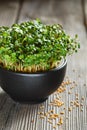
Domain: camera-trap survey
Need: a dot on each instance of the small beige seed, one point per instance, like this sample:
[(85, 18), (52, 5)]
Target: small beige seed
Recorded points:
[(83, 98), (61, 112), (69, 92), (54, 126), (69, 109)]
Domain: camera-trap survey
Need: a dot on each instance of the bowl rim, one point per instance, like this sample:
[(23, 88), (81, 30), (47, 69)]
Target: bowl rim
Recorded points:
[(61, 65)]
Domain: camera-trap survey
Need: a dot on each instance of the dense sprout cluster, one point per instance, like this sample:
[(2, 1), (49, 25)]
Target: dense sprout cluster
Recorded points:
[(32, 46)]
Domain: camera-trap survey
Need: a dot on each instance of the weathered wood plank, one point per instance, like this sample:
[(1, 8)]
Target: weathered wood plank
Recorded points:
[(14, 116), (69, 14), (8, 12), (85, 4)]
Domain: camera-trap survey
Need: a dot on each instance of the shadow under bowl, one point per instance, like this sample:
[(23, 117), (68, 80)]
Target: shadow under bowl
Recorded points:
[(32, 88)]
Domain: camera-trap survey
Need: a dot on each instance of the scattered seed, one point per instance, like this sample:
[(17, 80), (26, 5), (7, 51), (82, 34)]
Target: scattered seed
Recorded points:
[(69, 109), (76, 103), (72, 87), (38, 113), (57, 102), (81, 104), (41, 107), (60, 121), (76, 94), (83, 98), (50, 121), (46, 114), (77, 98), (69, 92), (54, 127), (61, 112), (64, 108), (42, 116), (53, 116), (41, 113), (52, 111), (71, 101)]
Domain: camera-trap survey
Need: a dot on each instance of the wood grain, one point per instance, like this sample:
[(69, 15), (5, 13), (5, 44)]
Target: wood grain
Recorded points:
[(8, 12), (70, 15), (85, 8), (15, 116)]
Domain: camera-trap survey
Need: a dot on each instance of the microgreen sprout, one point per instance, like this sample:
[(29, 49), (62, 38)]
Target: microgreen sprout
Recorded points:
[(33, 46)]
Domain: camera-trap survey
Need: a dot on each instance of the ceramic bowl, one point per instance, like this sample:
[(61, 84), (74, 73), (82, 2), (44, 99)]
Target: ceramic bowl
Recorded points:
[(34, 87)]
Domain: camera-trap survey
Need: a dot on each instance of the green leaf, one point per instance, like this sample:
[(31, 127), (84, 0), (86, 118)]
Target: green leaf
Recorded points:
[(34, 43)]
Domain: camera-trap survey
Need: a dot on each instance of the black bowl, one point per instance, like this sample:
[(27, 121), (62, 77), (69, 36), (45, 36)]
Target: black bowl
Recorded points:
[(32, 88)]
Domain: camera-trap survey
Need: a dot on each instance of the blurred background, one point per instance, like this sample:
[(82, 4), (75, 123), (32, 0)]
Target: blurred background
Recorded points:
[(72, 15)]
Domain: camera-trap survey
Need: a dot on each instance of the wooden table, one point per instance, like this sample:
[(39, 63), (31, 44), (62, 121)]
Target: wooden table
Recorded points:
[(72, 14)]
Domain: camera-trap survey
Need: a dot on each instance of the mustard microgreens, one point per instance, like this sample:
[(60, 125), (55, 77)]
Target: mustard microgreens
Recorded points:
[(33, 46)]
